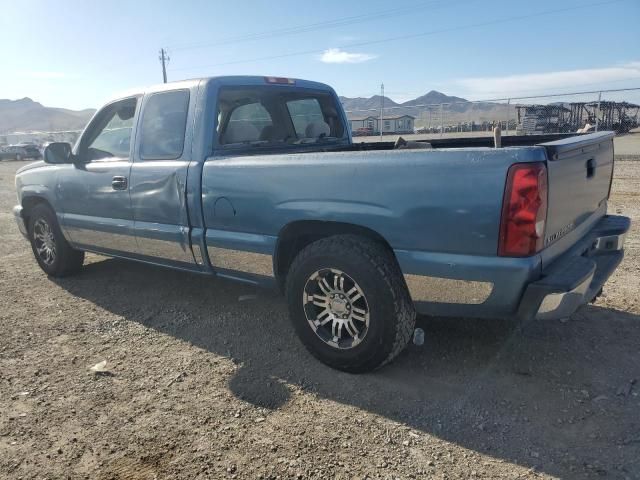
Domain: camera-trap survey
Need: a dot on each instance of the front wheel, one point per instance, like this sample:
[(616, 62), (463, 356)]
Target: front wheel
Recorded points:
[(349, 304), (52, 251)]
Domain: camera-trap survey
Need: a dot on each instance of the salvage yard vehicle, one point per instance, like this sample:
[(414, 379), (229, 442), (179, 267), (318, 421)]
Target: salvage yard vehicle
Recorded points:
[(31, 151), (257, 179), (13, 152)]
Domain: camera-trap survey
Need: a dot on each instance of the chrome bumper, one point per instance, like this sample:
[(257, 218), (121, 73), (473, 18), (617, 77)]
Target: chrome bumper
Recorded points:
[(563, 304), (575, 280), (17, 213)]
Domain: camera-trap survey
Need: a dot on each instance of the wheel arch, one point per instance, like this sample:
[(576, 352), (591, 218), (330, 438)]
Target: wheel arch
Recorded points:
[(29, 202), (295, 236)]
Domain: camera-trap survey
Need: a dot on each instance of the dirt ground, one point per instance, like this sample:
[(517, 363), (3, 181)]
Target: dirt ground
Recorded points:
[(207, 380)]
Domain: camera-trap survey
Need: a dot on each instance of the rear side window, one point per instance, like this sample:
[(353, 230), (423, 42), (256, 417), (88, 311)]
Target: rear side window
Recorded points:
[(164, 122)]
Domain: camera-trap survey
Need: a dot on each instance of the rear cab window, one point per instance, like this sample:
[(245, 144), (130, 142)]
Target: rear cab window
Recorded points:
[(253, 117)]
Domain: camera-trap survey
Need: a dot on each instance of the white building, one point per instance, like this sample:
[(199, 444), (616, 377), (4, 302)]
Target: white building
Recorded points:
[(390, 124)]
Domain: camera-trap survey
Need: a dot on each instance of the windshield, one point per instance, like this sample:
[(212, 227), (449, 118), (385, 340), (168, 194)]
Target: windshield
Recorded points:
[(268, 116)]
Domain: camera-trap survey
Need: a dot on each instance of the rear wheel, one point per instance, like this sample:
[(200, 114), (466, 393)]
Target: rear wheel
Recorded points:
[(53, 253), (349, 304)]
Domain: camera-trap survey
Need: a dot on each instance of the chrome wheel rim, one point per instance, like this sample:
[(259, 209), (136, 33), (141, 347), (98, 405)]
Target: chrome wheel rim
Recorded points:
[(336, 308), (44, 241)]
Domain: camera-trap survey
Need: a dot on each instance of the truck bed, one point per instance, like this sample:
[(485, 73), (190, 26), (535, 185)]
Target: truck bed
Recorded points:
[(468, 142)]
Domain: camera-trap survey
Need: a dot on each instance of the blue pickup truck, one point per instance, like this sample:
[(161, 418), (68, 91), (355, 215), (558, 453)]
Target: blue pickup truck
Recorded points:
[(257, 179)]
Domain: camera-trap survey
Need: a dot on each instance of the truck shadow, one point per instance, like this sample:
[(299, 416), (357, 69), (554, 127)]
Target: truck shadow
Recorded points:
[(557, 397)]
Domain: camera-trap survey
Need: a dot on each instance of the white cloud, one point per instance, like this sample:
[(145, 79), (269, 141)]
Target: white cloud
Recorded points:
[(549, 82), (335, 55)]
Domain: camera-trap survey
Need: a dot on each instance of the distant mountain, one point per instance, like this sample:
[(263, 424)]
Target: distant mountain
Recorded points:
[(434, 97), (456, 109), (362, 106), (365, 106), (26, 115)]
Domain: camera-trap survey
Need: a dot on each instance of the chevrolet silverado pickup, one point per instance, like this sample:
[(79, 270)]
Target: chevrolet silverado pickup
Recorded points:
[(257, 179)]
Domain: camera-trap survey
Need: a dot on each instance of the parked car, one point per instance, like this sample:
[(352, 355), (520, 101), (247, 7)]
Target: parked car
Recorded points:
[(363, 132), (32, 151), (218, 176), (13, 152)]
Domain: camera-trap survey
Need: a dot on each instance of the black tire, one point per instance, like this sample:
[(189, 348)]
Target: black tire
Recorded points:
[(391, 317), (66, 260)]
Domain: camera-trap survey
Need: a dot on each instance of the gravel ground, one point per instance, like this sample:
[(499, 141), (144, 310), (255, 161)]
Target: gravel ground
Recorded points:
[(206, 380)]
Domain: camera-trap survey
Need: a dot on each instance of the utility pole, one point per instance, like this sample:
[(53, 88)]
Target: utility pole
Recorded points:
[(164, 57), (598, 111), (381, 107)]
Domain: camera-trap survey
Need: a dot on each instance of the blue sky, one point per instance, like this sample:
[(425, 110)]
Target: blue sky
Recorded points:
[(75, 54)]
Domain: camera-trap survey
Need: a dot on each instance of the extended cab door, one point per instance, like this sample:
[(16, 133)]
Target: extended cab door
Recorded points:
[(158, 178), (93, 192)]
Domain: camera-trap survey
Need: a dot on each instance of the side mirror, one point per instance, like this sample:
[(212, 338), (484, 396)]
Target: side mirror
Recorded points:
[(58, 152)]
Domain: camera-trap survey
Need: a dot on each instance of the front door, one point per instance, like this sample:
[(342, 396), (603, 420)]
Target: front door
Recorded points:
[(158, 179), (94, 191)]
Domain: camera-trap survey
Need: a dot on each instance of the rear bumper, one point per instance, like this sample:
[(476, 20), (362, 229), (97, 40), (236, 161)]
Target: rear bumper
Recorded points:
[(577, 277), (17, 214)]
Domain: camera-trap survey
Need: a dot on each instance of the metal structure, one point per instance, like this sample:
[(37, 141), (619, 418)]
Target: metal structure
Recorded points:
[(551, 113), (617, 116), (533, 119)]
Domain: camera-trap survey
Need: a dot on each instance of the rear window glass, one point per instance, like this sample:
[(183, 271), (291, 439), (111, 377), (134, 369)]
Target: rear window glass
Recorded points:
[(164, 121), (247, 124), (267, 116), (304, 112)]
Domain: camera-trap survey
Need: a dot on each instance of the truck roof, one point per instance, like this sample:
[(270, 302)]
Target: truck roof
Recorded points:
[(225, 80)]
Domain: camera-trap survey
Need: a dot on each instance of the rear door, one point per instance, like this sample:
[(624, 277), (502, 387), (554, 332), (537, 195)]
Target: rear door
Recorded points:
[(93, 193), (159, 175), (580, 169)]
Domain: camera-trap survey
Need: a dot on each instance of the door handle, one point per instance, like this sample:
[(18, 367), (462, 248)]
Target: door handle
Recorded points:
[(119, 183)]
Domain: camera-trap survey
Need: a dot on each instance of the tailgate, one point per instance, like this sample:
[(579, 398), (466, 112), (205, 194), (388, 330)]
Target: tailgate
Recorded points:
[(580, 169)]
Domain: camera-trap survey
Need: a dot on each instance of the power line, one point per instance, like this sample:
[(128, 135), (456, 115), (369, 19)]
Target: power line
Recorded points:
[(536, 92), (405, 37), (337, 22)]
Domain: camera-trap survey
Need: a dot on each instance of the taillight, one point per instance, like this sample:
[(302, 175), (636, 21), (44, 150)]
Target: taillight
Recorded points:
[(280, 80), (524, 210)]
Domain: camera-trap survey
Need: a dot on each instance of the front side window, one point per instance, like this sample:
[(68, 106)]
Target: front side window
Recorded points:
[(110, 136), (163, 126), (276, 117)]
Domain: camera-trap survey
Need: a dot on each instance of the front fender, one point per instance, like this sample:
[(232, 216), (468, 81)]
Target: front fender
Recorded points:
[(28, 193)]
